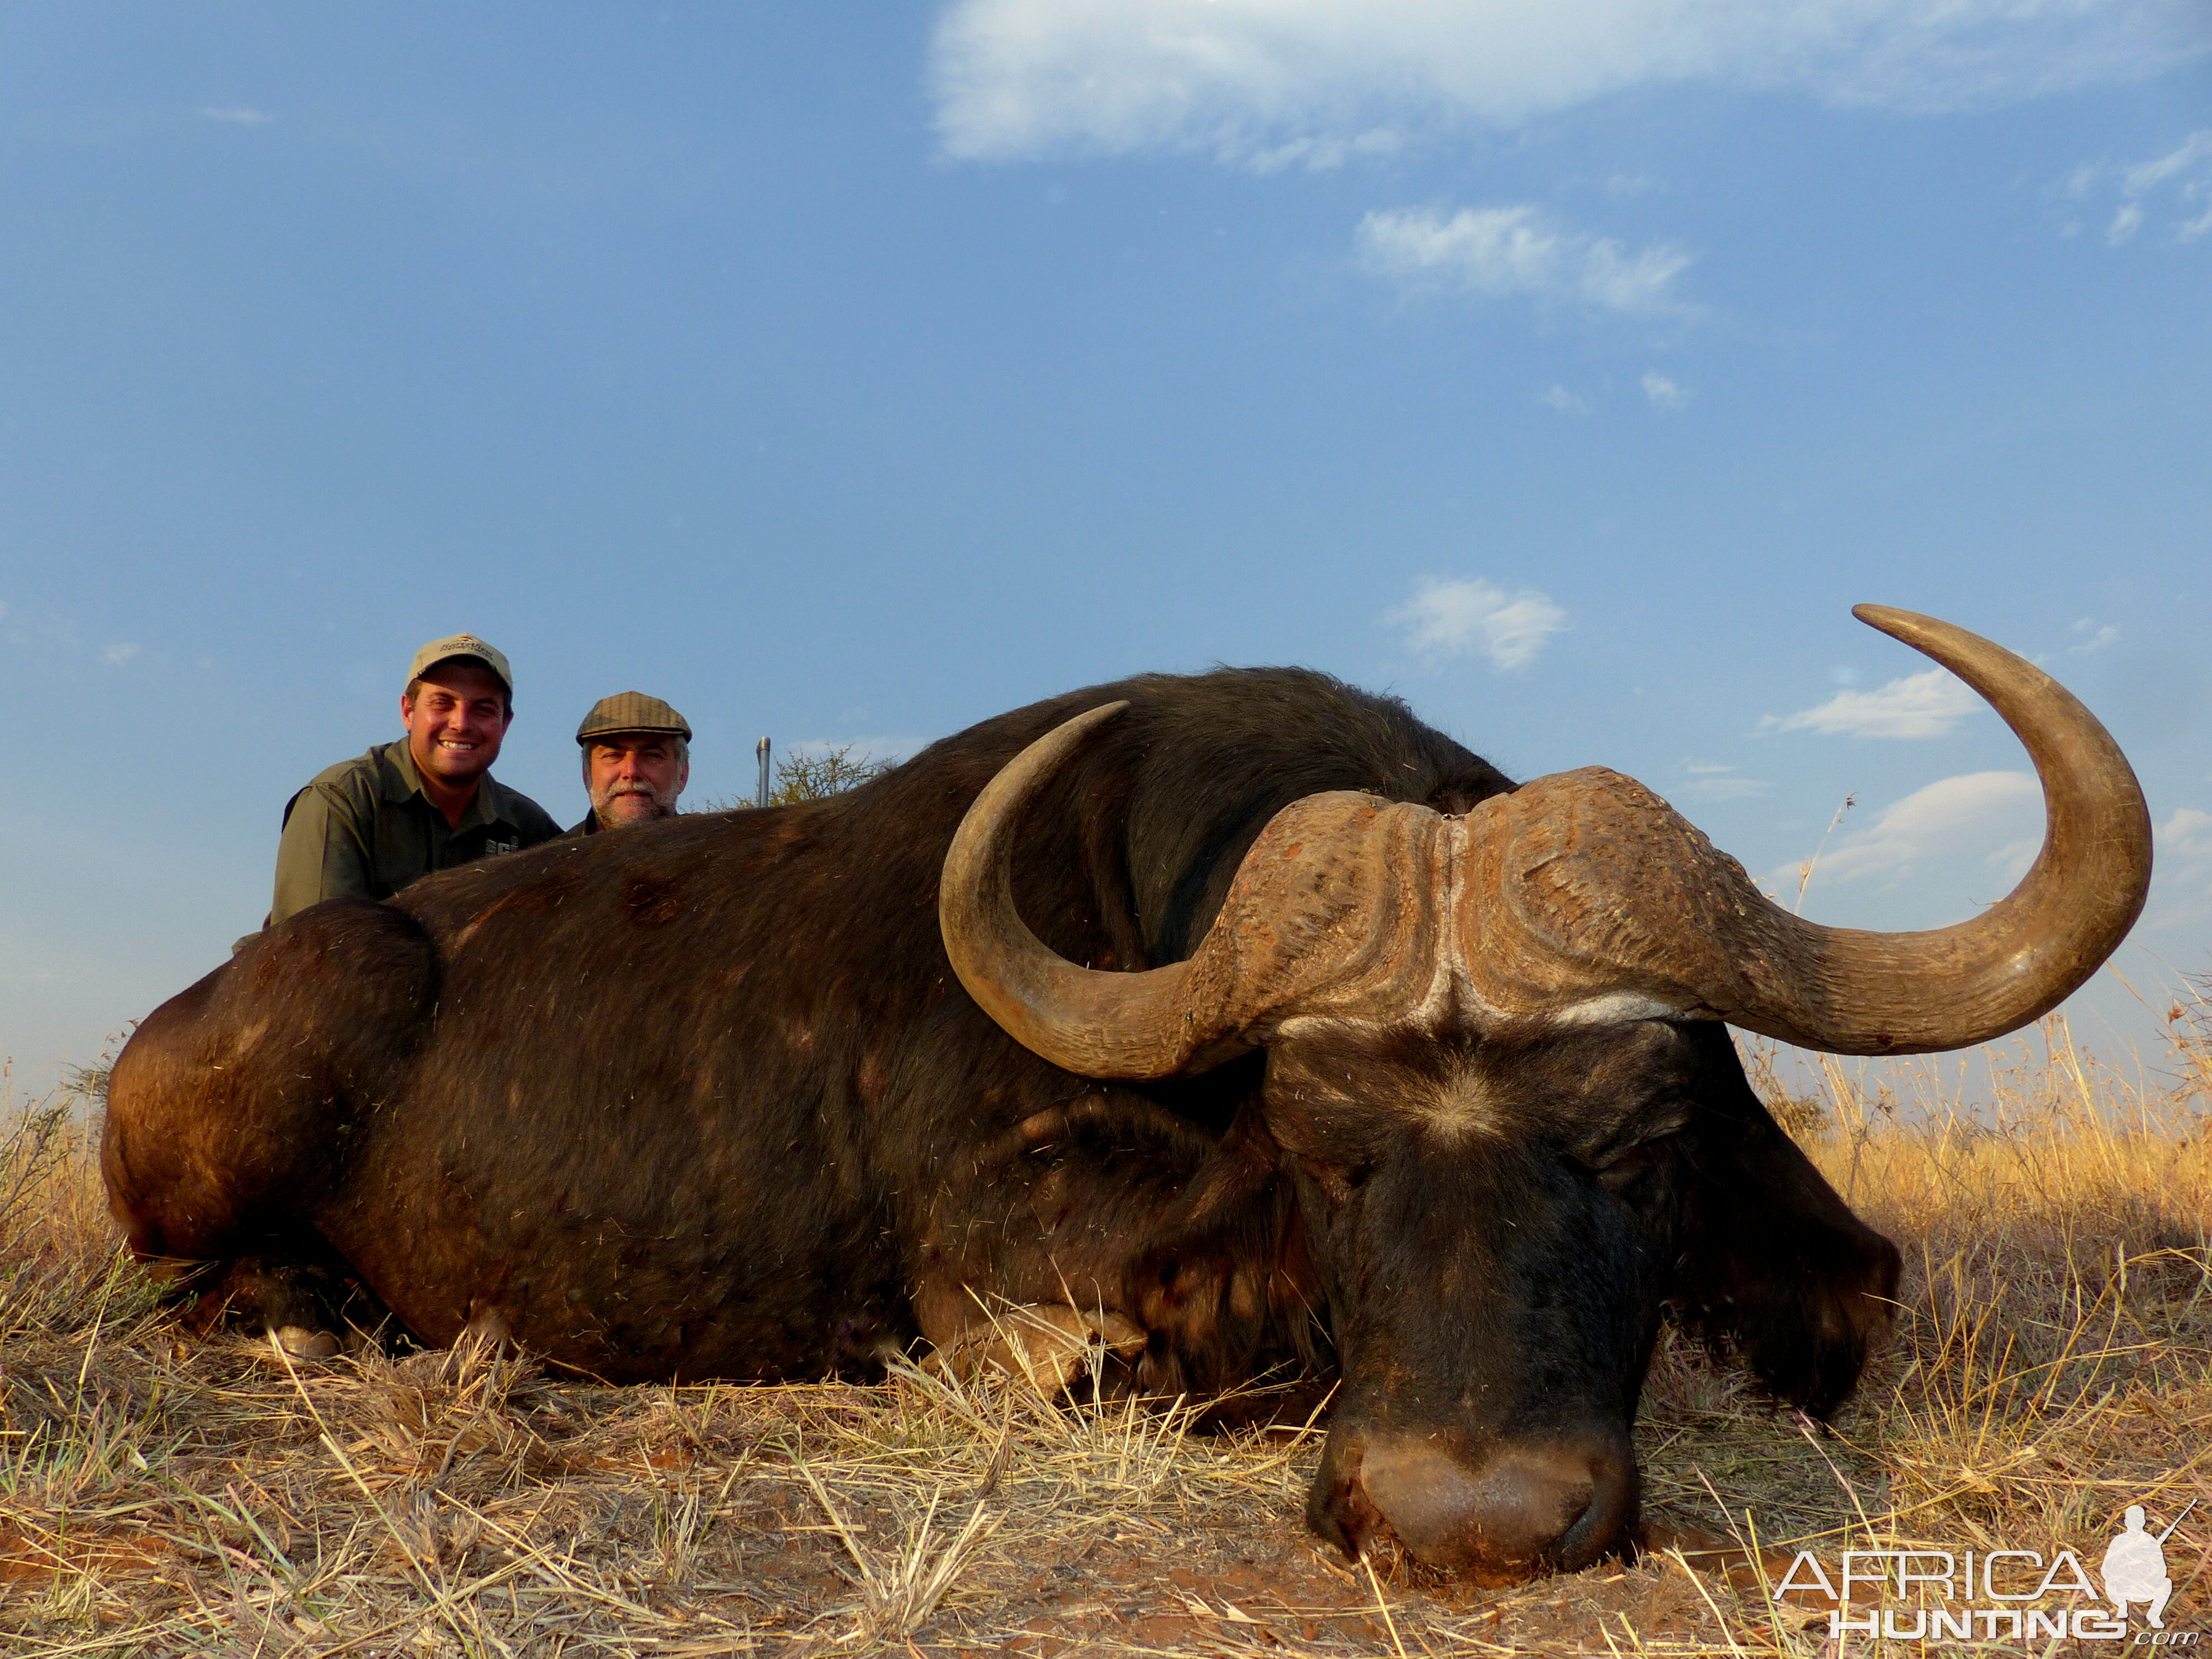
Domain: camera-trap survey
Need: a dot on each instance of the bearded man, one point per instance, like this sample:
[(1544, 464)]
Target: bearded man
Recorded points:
[(637, 759)]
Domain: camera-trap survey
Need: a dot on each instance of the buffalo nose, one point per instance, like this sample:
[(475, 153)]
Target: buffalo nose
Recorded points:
[(1555, 1505)]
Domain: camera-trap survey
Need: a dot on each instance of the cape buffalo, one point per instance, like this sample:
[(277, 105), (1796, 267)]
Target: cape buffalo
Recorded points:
[(1255, 1027)]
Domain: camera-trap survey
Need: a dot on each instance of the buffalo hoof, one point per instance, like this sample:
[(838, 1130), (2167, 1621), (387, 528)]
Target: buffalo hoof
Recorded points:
[(1049, 1348), (299, 1342)]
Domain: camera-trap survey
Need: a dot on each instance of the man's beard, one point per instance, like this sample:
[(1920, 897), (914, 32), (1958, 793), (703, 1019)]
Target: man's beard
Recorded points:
[(603, 804)]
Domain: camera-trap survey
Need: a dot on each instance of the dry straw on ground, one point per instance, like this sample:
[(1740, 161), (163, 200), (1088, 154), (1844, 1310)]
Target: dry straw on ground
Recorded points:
[(160, 1497)]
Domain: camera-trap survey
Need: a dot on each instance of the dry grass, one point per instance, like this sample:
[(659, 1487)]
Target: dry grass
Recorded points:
[(159, 1498)]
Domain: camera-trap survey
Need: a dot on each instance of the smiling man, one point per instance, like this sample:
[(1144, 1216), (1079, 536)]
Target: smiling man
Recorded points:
[(637, 758), (368, 827)]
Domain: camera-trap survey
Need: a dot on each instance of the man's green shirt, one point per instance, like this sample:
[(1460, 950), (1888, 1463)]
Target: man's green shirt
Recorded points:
[(365, 829)]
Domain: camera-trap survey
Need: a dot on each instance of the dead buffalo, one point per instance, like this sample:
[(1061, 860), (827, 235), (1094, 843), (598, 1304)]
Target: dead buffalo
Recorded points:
[(1241, 1021)]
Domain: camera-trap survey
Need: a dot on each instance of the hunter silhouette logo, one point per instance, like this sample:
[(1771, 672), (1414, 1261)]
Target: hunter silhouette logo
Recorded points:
[(2135, 1566)]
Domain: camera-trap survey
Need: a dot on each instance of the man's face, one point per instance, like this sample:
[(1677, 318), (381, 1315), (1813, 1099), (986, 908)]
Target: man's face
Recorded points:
[(455, 722), (633, 777)]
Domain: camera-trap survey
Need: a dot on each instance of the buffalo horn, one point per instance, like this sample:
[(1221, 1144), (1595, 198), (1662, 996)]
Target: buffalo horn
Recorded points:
[(1586, 894), (1096, 1024), (1333, 911)]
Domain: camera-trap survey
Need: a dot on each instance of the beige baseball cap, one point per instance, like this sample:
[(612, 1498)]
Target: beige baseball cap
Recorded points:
[(461, 644), (632, 711)]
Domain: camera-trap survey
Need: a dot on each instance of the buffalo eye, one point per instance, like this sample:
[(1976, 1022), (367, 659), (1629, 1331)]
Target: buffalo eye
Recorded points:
[(1620, 1172)]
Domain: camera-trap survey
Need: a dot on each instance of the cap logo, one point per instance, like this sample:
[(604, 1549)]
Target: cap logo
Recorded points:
[(462, 645)]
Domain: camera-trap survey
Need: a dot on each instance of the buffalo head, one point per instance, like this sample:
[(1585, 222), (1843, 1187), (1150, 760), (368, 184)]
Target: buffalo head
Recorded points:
[(1499, 1080)]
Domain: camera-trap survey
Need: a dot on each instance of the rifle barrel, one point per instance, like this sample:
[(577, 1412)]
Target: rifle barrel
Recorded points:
[(2177, 1520)]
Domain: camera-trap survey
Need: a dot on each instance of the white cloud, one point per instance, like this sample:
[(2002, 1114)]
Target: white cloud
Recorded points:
[(1245, 79), (237, 115), (1453, 618), (118, 653), (2187, 834), (2188, 170), (1519, 251), (2196, 149), (2093, 637), (2181, 888), (1924, 705), (1724, 788), (1953, 815), (1564, 401), (1709, 780), (1666, 395), (1325, 154), (2178, 182), (2011, 860)]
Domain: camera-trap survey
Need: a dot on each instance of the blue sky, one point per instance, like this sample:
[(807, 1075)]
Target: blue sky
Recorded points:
[(855, 373)]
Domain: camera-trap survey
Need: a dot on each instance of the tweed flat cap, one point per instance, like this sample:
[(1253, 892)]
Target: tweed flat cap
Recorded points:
[(461, 644), (632, 711)]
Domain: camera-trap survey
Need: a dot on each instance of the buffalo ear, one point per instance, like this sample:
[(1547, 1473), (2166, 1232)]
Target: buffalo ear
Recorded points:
[(1776, 1269), (1805, 1314)]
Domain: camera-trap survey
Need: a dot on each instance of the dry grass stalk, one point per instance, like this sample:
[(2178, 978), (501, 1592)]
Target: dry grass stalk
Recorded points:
[(900, 1589), (2053, 1363)]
